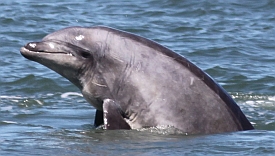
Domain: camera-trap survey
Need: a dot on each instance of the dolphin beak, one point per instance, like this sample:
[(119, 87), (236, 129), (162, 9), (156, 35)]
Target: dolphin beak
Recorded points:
[(44, 47)]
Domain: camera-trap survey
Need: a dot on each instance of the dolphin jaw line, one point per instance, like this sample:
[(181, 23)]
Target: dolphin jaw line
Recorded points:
[(45, 52)]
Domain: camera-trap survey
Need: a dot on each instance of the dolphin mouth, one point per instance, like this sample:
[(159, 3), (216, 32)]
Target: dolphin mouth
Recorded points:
[(26, 50), (41, 48), (54, 48)]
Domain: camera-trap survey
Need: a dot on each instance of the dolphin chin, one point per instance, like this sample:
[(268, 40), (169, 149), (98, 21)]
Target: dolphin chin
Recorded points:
[(134, 82)]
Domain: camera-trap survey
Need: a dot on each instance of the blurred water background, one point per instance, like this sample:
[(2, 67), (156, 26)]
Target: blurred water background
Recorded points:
[(41, 113)]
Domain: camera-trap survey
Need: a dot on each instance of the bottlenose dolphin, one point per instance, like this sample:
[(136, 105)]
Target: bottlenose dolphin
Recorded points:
[(134, 82)]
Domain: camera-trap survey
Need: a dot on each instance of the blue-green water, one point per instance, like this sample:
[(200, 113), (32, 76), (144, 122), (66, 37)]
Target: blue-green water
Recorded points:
[(41, 113)]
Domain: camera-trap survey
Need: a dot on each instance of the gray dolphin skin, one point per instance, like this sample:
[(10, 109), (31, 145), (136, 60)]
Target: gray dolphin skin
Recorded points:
[(136, 83)]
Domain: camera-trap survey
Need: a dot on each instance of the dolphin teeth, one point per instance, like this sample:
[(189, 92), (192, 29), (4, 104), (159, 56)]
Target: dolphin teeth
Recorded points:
[(70, 54)]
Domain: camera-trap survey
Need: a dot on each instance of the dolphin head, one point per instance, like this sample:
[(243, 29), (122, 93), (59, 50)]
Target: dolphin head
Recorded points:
[(68, 52)]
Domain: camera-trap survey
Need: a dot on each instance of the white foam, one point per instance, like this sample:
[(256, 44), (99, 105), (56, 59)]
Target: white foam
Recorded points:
[(39, 102), (9, 122), (50, 94), (162, 129), (260, 101), (15, 100), (272, 98), (10, 97), (250, 102), (253, 123), (67, 94)]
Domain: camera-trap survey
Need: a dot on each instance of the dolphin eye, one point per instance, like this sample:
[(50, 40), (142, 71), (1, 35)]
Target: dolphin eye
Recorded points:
[(85, 54)]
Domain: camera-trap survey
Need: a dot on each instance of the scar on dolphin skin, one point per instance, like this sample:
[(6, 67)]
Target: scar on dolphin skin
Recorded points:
[(126, 77)]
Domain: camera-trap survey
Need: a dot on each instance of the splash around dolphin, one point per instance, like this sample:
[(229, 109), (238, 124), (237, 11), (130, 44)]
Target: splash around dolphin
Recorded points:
[(134, 82)]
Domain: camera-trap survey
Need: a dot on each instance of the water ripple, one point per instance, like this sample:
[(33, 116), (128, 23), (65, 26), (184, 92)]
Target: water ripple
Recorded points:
[(42, 113)]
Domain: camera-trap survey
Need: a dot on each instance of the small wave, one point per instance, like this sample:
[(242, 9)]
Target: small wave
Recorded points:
[(11, 97), (163, 129), (9, 122), (68, 94), (271, 98), (7, 108), (247, 96), (259, 109), (39, 102), (254, 99), (18, 99)]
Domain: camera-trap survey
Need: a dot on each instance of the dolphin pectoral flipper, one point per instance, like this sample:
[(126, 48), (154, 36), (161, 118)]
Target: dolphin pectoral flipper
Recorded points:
[(113, 116), (98, 118)]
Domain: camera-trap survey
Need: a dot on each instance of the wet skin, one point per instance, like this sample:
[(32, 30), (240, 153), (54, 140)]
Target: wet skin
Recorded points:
[(134, 82)]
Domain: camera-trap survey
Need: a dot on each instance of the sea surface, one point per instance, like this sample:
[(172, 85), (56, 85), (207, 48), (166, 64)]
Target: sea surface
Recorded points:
[(41, 113)]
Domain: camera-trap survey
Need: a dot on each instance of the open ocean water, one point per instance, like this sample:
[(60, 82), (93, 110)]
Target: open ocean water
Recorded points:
[(41, 113)]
